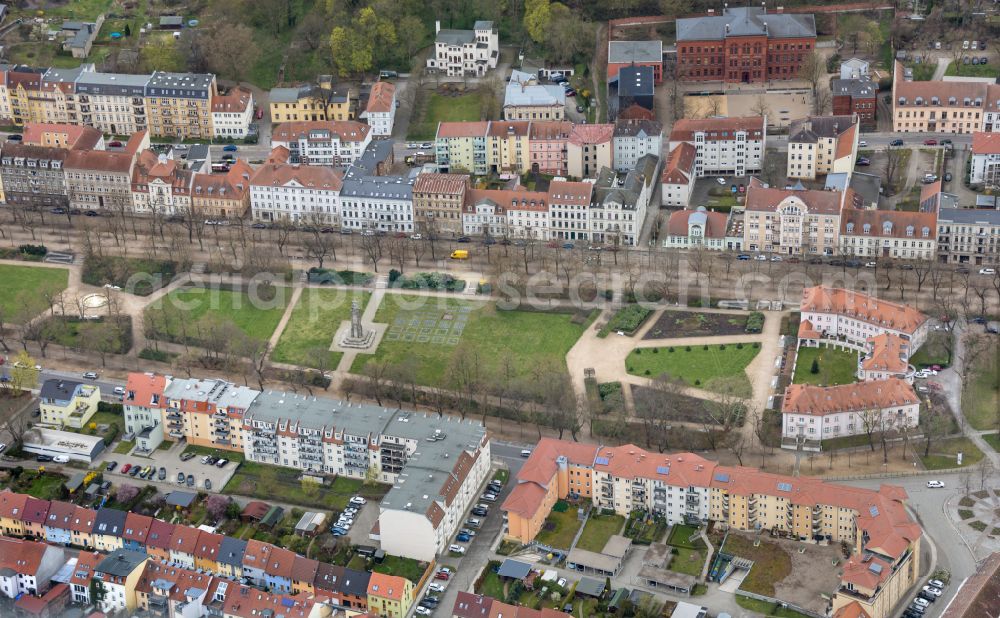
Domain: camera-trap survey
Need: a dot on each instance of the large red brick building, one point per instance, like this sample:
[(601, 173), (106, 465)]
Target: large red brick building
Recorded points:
[(744, 44)]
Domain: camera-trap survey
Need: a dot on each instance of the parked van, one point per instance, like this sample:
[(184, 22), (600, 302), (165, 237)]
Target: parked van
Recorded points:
[(460, 254)]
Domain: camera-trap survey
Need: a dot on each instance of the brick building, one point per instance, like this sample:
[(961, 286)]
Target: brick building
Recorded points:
[(855, 96), (743, 44)]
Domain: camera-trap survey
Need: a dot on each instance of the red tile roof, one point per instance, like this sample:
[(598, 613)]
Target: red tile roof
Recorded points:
[(234, 101), (571, 193), (462, 129), (632, 462), (12, 504), (137, 527), (77, 136), (140, 389), (507, 199), (208, 546), (160, 533), (715, 223), (888, 352), (83, 520), (901, 224), (318, 177), (21, 556), (679, 167), (769, 198), (862, 307), (36, 511), (382, 98), (86, 564), (685, 129), (387, 586), (583, 134), (985, 143), (185, 539), (345, 130), (446, 184), (857, 397)]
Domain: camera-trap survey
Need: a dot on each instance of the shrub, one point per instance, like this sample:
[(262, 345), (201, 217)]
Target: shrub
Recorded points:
[(756, 344), (656, 350), (815, 366), (627, 319), (722, 346), (739, 346), (670, 349), (705, 347), (755, 322), (39, 250), (697, 382), (687, 348), (393, 275), (647, 372), (638, 351)]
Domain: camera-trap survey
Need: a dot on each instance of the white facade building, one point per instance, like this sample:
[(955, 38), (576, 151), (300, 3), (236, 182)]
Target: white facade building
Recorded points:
[(376, 202), (380, 113), (232, 113), (677, 180), (296, 193), (729, 146), (822, 413), (633, 139), (465, 52), (985, 167), (854, 318), (27, 567), (322, 142)]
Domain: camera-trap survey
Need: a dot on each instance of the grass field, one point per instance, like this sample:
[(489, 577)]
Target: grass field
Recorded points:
[(943, 454), (433, 108), (282, 485), (936, 350), (835, 367), (698, 367), (688, 561), (563, 528), (27, 280), (315, 319), (409, 568), (993, 439), (598, 530), (771, 563), (179, 313), (532, 338), (767, 609), (972, 70), (982, 393)]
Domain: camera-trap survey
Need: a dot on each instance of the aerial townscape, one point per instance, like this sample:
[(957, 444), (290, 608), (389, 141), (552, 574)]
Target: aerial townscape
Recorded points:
[(524, 309)]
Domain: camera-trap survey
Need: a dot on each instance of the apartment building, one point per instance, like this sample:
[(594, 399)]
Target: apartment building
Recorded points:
[(112, 102), (569, 209), (820, 145), (222, 196), (281, 191), (634, 139), (23, 81), (984, 168), (691, 229), (679, 173), (744, 45), (33, 176), (507, 147), (337, 142), (968, 236), (589, 149), (826, 412), (619, 202), (438, 200), (27, 567), (549, 147), (886, 356), (312, 102), (470, 53), (118, 574), (461, 147), (65, 403), (380, 112), (792, 221), (63, 135), (143, 407), (857, 97), (526, 99), (101, 180), (160, 185), (853, 318), (232, 113), (53, 100), (180, 104), (936, 106), (206, 412), (506, 213), (728, 146), (888, 234), (390, 595), (376, 202)]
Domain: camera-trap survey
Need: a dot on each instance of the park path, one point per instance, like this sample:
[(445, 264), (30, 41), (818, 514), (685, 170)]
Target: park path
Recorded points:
[(367, 318), (293, 300)]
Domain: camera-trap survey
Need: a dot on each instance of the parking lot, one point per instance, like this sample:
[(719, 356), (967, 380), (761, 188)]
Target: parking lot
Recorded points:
[(169, 459)]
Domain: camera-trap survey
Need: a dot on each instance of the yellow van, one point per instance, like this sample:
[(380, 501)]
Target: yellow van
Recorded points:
[(460, 254)]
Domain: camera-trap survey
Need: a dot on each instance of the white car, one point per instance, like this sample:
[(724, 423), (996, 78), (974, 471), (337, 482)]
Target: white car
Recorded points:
[(456, 549), (931, 590), (862, 144), (422, 611), (119, 390), (720, 180), (935, 484), (435, 587), (922, 602), (60, 459), (562, 582), (987, 271), (870, 264), (3, 447), (358, 501), (345, 522), (936, 583)]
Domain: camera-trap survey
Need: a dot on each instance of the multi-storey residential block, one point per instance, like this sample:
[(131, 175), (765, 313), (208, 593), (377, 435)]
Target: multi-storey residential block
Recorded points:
[(549, 146), (53, 100), (143, 405), (508, 147), (465, 52), (633, 139), (857, 97), (112, 102), (22, 84), (968, 236), (65, 403), (461, 147), (222, 196), (160, 185), (679, 173), (936, 106), (826, 412), (437, 202), (118, 573), (312, 103), (985, 166), (232, 113), (619, 203), (852, 318), (690, 229), (886, 356), (296, 193), (376, 202), (83, 575), (390, 595), (888, 233), (730, 146), (792, 221), (526, 99), (569, 209), (180, 104), (744, 45), (821, 145), (101, 180), (589, 149), (506, 213), (380, 112), (27, 567), (33, 176), (211, 412), (340, 142), (623, 54), (68, 136)]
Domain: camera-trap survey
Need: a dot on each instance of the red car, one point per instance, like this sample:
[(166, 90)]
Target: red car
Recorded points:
[(115, 144), (126, 468), (441, 575), (930, 142)]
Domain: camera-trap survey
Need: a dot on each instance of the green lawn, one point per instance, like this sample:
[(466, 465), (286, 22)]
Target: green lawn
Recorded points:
[(935, 351), (103, 418), (282, 485), (993, 439), (78, 334), (123, 447), (560, 529), (697, 367), (433, 108), (835, 366), (190, 313), (771, 563), (409, 568), (981, 398), (531, 338), (492, 585), (846, 442), (23, 283), (943, 454), (679, 535), (315, 319), (767, 609), (598, 530), (972, 70), (688, 561)]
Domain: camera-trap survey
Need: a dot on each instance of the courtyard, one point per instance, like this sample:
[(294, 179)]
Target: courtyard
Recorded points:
[(832, 366)]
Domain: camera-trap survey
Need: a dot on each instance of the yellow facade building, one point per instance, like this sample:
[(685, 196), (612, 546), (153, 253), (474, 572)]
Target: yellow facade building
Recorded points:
[(312, 102)]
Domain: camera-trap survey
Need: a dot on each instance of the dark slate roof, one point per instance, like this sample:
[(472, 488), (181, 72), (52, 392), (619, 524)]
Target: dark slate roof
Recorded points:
[(231, 551), (746, 21), (182, 499), (121, 562), (853, 87), (635, 81), (514, 569), (58, 390), (456, 37), (590, 587), (624, 52), (355, 583), (109, 521)]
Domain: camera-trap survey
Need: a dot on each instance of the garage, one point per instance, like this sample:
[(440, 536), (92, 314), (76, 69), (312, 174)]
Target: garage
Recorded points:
[(52, 442)]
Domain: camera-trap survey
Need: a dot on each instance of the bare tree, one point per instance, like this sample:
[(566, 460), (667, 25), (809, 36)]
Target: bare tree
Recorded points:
[(319, 242), (371, 244), (893, 164)]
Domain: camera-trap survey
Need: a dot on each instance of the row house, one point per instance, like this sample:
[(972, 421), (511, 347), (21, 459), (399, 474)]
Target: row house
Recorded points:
[(460, 147), (549, 147), (160, 185), (225, 195), (34, 177), (62, 135), (179, 105), (232, 113), (698, 228), (507, 147), (27, 567), (968, 236), (729, 146), (589, 149), (634, 139), (888, 234), (109, 525), (83, 575), (505, 213), (335, 142), (380, 112), (438, 200), (821, 145), (390, 595), (118, 574), (136, 532), (853, 318), (855, 97), (938, 106), (793, 221), (569, 210), (465, 53), (111, 102), (827, 412), (280, 191), (36, 512), (744, 45), (619, 202), (58, 523), (315, 102), (101, 180), (383, 203)]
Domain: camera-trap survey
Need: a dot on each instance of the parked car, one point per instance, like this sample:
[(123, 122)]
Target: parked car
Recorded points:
[(338, 531), (119, 390), (126, 468), (358, 500), (441, 575), (987, 271), (187, 456), (937, 583), (743, 257), (480, 512), (90, 375), (921, 602), (430, 601), (230, 148), (456, 549), (134, 471), (526, 452), (221, 463), (896, 142), (162, 475), (935, 484), (864, 161), (108, 468), (472, 522), (463, 538), (930, 142), (422, 611), (468, 531), (60, 459), (43, 458), (932, 591), (180, 478), (208, 484), (947, 176), (435, 587), (190, 480)]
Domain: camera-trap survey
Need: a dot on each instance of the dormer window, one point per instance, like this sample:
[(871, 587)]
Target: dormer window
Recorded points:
[(966, 101), (935, 101), (887, 227), (952, 100), (978, 102), (919, 101), (902, 100), (925, 232), (867, 228), (909, 230), (850, 228)]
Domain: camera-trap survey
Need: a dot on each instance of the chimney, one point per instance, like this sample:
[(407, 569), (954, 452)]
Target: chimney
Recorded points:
[(727, 28), (437, 26), (763, 6)]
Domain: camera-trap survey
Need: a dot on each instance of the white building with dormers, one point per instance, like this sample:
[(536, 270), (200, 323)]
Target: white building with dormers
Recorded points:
[(792, 221), (470, 53), (280, 191)]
